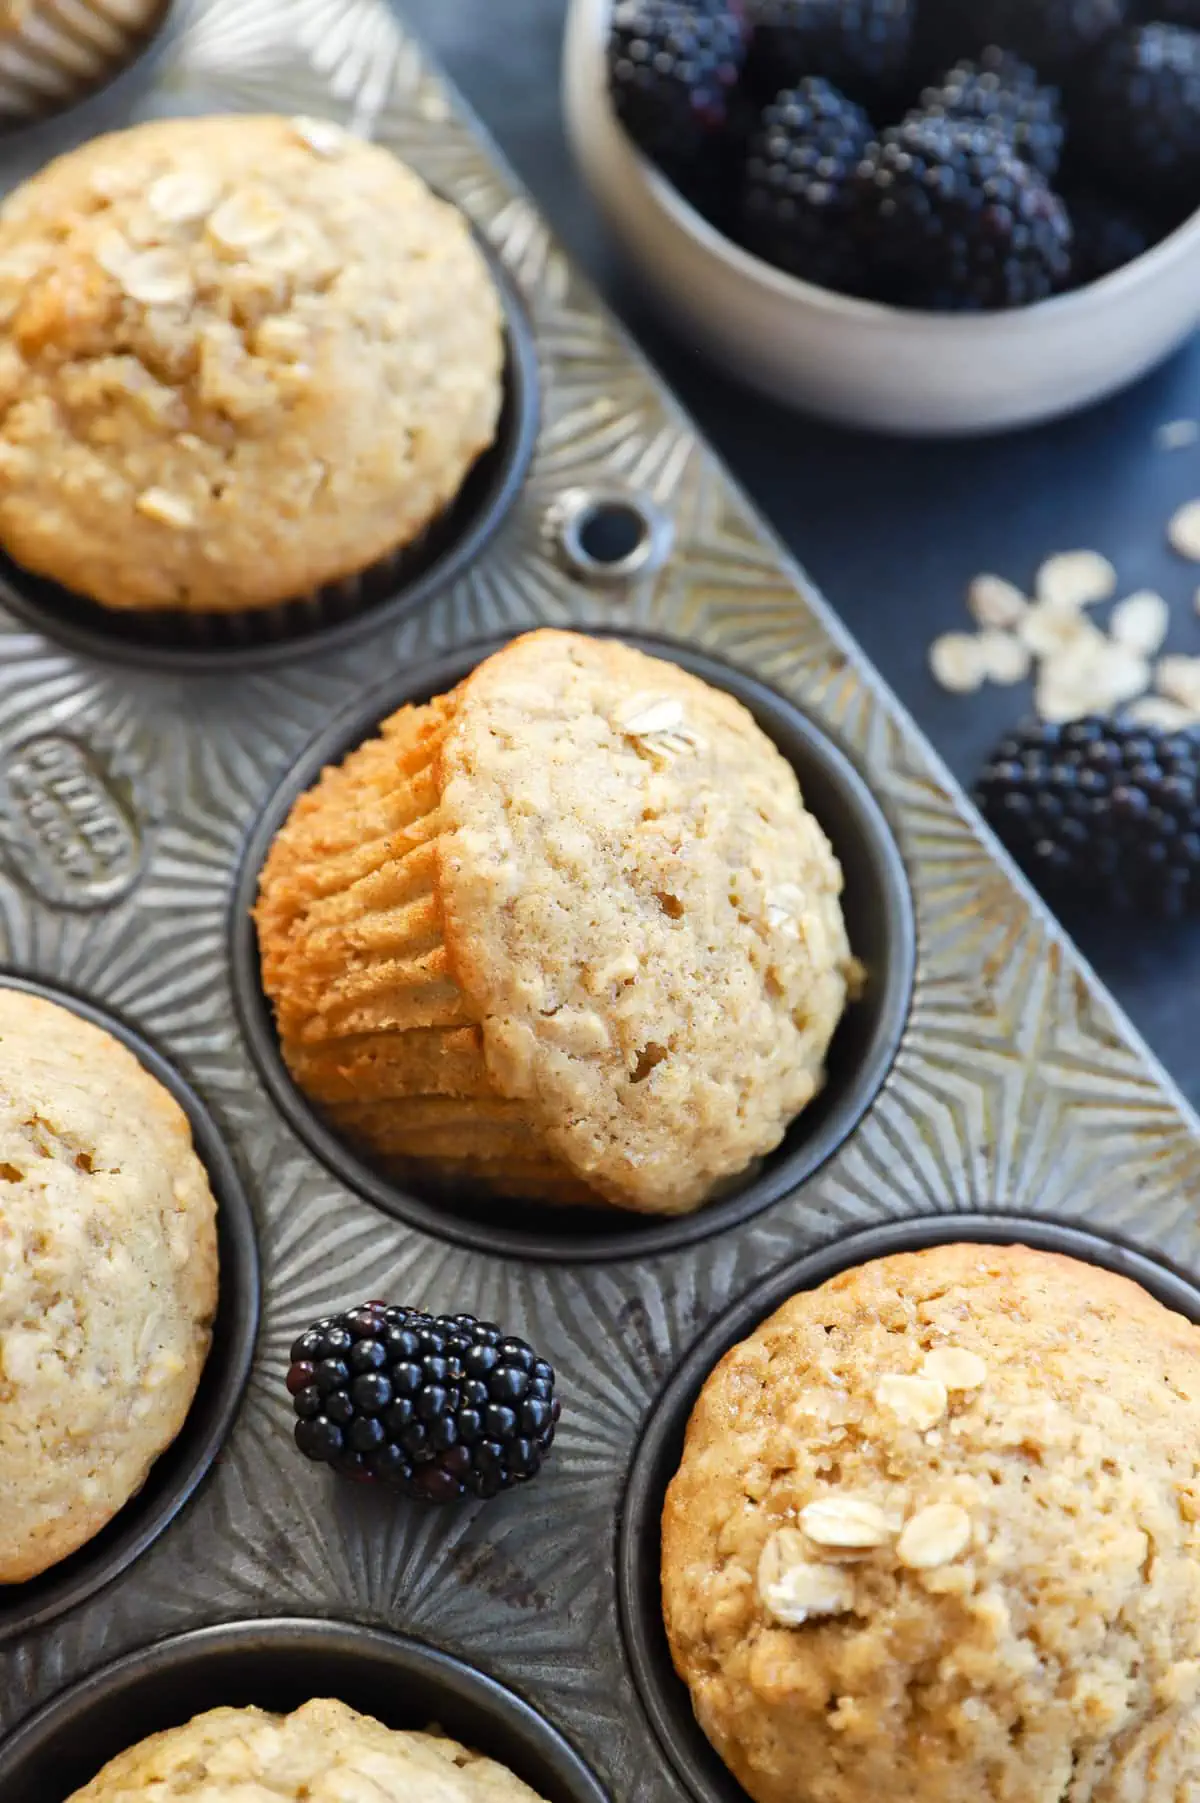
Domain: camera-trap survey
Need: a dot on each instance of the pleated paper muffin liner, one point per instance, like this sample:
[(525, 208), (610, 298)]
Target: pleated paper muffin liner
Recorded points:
[(372, 1024), (55, 53)]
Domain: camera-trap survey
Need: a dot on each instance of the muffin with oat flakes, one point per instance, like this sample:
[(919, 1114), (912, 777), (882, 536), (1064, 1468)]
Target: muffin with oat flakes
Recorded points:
[(108, 1279), (936, 1535), (240, 358), (568, 933), (323, 1752)]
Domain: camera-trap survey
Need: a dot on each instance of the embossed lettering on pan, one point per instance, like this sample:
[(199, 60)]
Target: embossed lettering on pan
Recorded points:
[(67, 824)]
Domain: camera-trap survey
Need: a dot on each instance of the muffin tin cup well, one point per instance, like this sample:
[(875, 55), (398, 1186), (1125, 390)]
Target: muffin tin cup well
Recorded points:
[(179, 1470), (279, 1665), (663, 1694), (71, 62), (341, 612), (879, 916)]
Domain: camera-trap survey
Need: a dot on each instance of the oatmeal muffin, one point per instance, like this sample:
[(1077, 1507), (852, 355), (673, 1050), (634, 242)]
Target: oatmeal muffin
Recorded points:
[(568, 933), (240, 358), (935, 1536), (108, 1279), (322, 1753)]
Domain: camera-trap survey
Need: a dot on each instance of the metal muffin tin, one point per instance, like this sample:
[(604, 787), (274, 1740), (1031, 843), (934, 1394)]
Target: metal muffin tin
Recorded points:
[(129, 797)]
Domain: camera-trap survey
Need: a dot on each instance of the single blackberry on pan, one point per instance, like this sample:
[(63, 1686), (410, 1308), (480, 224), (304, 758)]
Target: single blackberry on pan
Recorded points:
[(862, 46), (435, 1406), (1101, 812), (808, 145), (1053, 35), (1104, 236), (1135, 116), (1003, 93), (673, 71), (951, 219)]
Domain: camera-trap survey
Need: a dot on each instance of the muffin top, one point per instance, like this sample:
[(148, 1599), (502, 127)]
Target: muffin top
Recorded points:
[(934, 1536), (642, 913), (108, 1279), (323, 1753), (239, 357)]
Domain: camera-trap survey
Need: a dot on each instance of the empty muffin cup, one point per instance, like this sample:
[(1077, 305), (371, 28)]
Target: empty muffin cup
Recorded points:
[(663, 1694), (878, 912), (278, 1665), (178, 1471)]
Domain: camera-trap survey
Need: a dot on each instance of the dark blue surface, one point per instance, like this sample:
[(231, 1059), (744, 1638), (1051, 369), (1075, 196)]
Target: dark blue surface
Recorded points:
[(892, 532)]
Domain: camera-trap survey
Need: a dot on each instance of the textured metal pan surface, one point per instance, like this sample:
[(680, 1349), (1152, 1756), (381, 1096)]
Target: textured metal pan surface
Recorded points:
[(126, 798)]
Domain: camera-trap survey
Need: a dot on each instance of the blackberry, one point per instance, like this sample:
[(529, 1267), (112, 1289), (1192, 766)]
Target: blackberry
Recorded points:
[(1003, 93), (1053, 35), (794, 213), (862, 46), (1136, 115), (1104, 236), (951, 219), (1102, 811), (435, 1406), (673, 70)]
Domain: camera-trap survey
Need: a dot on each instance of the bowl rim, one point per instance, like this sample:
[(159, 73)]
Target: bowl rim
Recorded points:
[(918, 321)]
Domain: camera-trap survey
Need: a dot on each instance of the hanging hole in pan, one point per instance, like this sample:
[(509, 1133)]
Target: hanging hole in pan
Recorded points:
[(610, 535)]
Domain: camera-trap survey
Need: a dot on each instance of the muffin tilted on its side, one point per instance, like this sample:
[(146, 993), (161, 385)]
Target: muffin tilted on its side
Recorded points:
[(108, 1279), (936, 1534), (322, 1750), (240, 358), (567, 933)]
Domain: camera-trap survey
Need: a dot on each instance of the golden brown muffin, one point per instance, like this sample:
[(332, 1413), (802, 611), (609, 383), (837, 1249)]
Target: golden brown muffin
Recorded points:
[(108, 1279), (322, 1753), (568, 932), (934, 1536), (239, 358)]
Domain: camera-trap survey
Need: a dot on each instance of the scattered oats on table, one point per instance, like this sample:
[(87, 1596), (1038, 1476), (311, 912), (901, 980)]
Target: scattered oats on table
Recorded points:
[(1076, 579)]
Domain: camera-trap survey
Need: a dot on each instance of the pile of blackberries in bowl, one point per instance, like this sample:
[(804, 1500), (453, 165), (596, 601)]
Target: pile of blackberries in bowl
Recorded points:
[(937, 155)]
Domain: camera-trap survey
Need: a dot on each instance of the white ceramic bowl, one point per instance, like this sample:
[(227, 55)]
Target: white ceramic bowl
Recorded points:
[(851, 360)]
